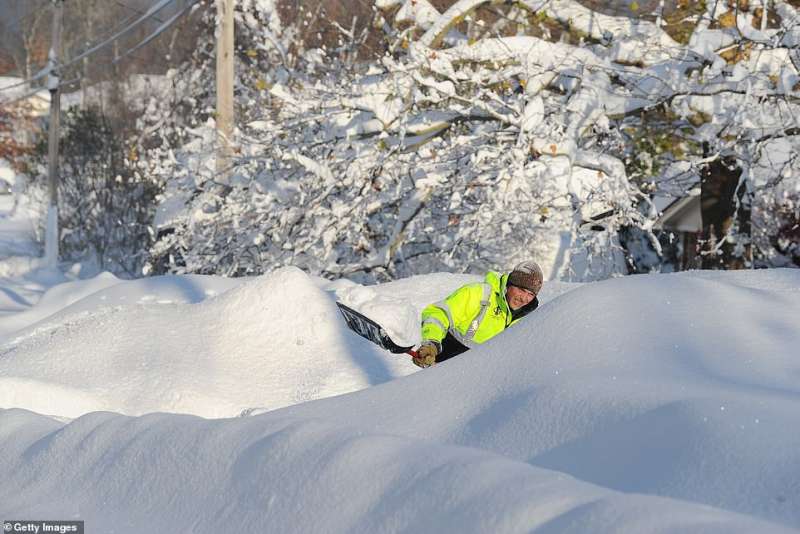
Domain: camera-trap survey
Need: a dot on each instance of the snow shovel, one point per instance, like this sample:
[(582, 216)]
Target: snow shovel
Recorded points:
[(369, 329)]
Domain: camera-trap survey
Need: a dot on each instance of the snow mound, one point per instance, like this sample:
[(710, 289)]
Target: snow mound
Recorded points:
[(278, 473), (685, 386), (664, 403), (53, 301), (270, 342)]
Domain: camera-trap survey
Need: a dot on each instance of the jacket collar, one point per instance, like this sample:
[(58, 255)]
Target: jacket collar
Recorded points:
[(525, 310), (498, 282)]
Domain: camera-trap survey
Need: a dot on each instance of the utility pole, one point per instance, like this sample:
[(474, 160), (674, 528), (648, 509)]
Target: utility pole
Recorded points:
[(224, 87), (85, 73), (53, 81)]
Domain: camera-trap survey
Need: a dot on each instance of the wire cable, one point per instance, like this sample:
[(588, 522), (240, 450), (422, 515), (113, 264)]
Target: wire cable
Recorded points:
[(29, 94), (135, 10), (158, 31), (165, 26), (161, 4)]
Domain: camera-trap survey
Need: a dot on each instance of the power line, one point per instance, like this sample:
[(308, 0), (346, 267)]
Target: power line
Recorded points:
[(103, 33), (123, 24), (32, 92), (106, 33), (158, 31), (21, 17), (135, 10), (166, 25), (161, 4), (131, 51), (150, 12)]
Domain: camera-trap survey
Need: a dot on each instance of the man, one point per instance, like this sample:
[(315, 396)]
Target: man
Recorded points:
[(477, 312)]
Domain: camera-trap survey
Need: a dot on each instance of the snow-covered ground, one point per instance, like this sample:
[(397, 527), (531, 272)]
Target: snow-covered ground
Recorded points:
[(16, 228), (21, 280), (663, 403), (651, 403)]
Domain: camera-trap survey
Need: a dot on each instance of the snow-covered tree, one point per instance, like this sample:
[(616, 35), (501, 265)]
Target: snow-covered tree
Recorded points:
[(489, 133)]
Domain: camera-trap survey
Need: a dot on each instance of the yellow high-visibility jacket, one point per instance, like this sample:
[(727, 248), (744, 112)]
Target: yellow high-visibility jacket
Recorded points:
[(472, 314)]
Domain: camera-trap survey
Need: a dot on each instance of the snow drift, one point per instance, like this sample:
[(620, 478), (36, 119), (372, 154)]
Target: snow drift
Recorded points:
[(279, 473), (651, 403), (273, 341)]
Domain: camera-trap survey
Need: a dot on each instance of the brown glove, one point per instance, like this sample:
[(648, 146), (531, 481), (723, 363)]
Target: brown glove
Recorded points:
[(426, 355)]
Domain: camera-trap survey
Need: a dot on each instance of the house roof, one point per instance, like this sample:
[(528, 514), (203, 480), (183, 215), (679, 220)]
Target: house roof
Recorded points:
[(682, 214)]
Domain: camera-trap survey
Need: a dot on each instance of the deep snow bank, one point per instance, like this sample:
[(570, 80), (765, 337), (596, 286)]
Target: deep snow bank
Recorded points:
[(280, 473), (272, 341), (683, 386), (54, 300)]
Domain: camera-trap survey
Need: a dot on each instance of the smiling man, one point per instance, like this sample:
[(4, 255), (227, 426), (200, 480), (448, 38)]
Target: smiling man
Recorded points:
[(477, 312)]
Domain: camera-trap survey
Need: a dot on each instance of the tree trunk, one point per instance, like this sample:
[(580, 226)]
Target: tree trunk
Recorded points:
[(726, 216)]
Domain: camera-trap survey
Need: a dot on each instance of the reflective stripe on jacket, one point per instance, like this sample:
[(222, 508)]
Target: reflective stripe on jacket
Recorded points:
[(472, 314)]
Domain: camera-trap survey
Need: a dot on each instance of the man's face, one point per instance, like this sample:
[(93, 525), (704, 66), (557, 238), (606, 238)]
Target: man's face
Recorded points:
[(518, 297)]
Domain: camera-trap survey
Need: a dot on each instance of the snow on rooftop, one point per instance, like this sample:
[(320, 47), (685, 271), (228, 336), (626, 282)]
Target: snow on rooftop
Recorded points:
[(14, 90)]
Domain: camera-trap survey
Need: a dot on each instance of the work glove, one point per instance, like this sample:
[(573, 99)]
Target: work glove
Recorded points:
[(426, 354)]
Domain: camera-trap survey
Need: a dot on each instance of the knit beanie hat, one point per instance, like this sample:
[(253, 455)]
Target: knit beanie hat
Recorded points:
[(527, 275)]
